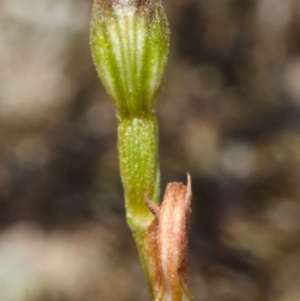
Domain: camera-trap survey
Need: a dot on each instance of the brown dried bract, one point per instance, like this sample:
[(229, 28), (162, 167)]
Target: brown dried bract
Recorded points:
[(166, 241)]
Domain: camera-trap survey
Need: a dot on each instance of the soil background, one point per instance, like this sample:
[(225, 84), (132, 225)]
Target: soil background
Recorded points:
[(229, 114)]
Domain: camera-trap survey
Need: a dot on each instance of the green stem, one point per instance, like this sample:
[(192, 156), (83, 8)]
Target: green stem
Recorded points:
[(138, 153)]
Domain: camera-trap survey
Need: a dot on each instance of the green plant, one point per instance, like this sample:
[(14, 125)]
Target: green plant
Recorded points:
[(130, 44)]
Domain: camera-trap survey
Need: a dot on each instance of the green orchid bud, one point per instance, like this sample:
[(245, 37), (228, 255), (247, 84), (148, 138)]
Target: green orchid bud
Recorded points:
[(130, 44)]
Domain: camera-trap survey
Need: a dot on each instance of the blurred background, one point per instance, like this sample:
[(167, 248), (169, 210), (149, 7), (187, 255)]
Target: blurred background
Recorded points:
[(229, 113)]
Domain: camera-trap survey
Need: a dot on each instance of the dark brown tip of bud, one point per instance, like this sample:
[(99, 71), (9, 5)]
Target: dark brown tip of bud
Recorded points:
[(106, 7), (108, 4)]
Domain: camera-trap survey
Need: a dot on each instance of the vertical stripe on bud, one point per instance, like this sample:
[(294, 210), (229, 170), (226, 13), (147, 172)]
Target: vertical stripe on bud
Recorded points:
[(130, 43)]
